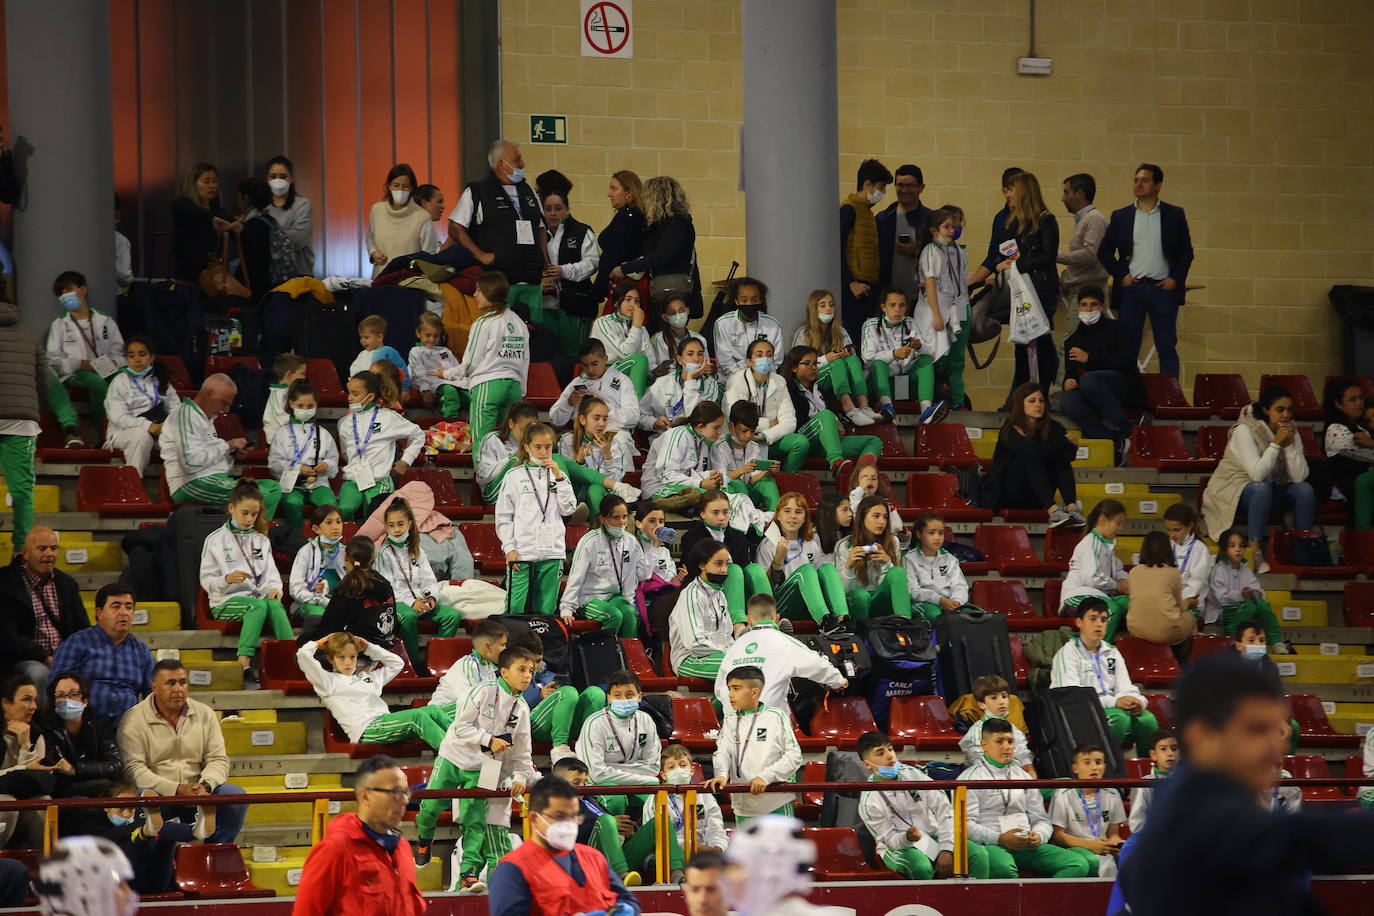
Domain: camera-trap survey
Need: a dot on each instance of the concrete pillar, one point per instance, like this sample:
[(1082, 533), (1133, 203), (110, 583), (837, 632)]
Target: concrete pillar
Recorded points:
[(61, 129), (791, 152)]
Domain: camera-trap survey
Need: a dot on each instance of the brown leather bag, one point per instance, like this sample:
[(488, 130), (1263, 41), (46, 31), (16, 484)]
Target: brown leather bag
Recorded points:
[(216, 280)]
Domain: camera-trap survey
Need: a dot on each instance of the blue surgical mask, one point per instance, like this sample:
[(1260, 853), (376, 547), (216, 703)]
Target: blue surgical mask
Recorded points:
[(1256, 652), (692, 367), (891, 772), (624, 708), (763, 365), (329, 542), (121, 820), (69, 301), (517, 175), (958, 231), (142, 373), (70, 710), (679, 320)]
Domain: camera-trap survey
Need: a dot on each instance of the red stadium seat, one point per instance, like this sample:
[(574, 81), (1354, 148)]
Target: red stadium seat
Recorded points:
[(1149, 664), (1060, 544), (1009, 597), (1162, 447), (279, 670), (1166, 400), (1051, 603), (1211, 441), (1008, 548), (230, 426), (177, 373), (215, 871), (944, 445), (1205, 645), (1354, 769), (840, 858), (447, 499), (1358, 604), (1313, 726), (336, 742), (1311, 448), (205, 622), (1305, 403), (638, 662), (52, 445), (1314, 766), (574, 533), (923, 723), (808, 808), (841, 720), (418, 776), (484, 546), (895, 456), (1223, 394), (1139, 767), (324, 375), (542, 388), (1281, 560), (1019, 662), (116, 491), (693, 719), (1162, 705), (807, 485), (936, 493), (443, 652)]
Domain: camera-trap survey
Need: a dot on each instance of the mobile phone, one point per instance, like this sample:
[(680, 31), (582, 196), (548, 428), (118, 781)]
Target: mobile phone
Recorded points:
[(664, 366), (904, 238), (579, 387)]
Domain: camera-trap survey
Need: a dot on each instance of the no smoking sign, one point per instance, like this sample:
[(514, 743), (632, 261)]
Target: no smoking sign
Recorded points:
[(606, 29)]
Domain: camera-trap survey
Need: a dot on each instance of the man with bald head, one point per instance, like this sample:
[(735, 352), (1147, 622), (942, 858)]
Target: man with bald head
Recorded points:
[(39, 607), (499, 219), (196, 459)]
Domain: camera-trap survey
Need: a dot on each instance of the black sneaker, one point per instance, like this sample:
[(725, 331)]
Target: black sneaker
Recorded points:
[(250, 680), (471, 884), (422, 854)]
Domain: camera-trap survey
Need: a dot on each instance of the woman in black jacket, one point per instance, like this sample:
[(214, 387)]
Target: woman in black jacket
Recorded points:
[(255, 269), (623, 238), (87, 741), (1101, 378), (1037, 241), (198, 220), (669, 244), (1033, 461)]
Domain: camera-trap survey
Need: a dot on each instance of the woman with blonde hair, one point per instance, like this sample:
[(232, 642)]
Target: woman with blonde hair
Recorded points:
[(1037, 242), (198, 221), (841, 370), (669, 243)]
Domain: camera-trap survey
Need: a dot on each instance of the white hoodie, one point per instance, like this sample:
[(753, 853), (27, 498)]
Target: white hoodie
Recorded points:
[(355, 700), (487, 711), (888, 816), (987, 807), (758, 744), (312, 445), (777, 416), (379, 451), (780, 658), (531, 499), (931, 578), (224, 552), (679, 457), (669, 396), (1104, 671), (602, 567), (1094, 568), (410, 579), (733, 336), (614, 387), (69, 342), (309, 566), (498, 348), (190, 447), (1226, 586), (699, 624), (620, 752)]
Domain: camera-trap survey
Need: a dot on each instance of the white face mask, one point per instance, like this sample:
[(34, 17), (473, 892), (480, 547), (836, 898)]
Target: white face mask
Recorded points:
[(1089, 318), (679, 320), (399, 197), (279, 186), (875, 196), (561, 835), (679, 776), (825, 317)]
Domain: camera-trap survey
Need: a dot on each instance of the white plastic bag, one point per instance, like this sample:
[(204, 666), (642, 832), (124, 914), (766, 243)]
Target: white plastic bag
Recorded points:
[(1028, 320)]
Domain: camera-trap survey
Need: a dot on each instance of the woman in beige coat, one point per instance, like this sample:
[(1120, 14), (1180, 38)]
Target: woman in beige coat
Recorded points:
[(1156, 613), (1263, 470)]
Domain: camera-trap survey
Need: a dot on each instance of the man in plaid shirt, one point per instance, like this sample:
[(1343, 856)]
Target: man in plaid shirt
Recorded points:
[(117, 664), (39, 607)]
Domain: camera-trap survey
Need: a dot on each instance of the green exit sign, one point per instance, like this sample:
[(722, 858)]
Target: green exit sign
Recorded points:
[(548, 129)]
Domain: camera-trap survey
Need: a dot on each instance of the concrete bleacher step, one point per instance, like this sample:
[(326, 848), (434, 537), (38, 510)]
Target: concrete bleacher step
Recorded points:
[(1140, 501), (262, 765), (284, 874), (1325, 669), (258, 732), (149, 616), (205, 672), (1295, 612), (291, 812), (46, 498), (78, 551), (1350, 718), (1092, 453), (1327, 649)]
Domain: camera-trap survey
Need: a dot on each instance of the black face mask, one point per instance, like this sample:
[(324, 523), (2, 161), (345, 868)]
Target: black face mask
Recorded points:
[(716, 578), (749, 312)]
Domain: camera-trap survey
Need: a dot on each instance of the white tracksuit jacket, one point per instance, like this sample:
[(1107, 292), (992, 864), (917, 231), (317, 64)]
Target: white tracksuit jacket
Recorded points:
[(726, 456), (931, 578), (518, 512), (733, 336), (658, 347), (800, 339), (388, 428), (614, 387), (888, 815), (679, 457), (986, 807), (424, 360), (657, 560), (780, 658), (190, 447), (620, 752), (877, 342), (620, 338), (1226, 586), (796, 553), (309, 565), (1094, 568), (876, 569), (489, 710), (1140, 803), (1075, 666), (282, 452), (410, 579), (758, 744), (710, 820), (465, 674), (621, 462), (493, 454), (1194, 564), (777, 416), (498, 348), (972, 745), (699, 624), (69, 342), (602, 567), (669, 396), (225, 552), (354, 700), (126, 399), (274, 412), (1089, 819)]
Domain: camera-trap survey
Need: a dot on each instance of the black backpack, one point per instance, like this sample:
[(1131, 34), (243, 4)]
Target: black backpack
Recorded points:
[(594, 657), (846, 651), (553, 633), (900, 646)]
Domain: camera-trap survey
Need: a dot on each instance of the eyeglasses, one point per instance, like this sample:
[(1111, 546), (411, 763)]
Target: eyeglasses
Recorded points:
[(561, 818), (403, 794), (71, 695), (807, 362)]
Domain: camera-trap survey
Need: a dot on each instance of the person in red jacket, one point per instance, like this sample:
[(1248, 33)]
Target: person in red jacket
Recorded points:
[(365, 867), (552, 874)]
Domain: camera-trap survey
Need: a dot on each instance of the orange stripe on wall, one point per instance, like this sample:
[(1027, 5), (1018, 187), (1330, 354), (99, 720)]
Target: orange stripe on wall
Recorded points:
[(346, 213), (446, 168), (409, 87)]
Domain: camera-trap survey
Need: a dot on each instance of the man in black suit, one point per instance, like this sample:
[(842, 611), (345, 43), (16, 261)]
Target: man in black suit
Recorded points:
[(1148, 251)]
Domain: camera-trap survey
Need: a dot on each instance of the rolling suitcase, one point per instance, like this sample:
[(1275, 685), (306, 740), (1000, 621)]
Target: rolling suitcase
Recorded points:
[(552, 632), (972, 643), (1062, 718), (187, 529), (594, 657)]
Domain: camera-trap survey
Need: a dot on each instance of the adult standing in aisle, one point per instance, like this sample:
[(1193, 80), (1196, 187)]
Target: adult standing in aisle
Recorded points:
[(900, 231), (24, 380), (1148, 251), (499, 220), (1081, 265)]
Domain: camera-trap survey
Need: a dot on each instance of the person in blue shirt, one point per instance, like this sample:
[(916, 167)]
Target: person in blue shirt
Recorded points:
[(118, 665)]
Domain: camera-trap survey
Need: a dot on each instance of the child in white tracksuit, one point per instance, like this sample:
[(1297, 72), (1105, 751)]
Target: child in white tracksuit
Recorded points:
[(368, 436), (287, 369), (496, 363), (933, 574), (303, 457), (699, 629), (318, 566), (604, 576), (403, 563), (354, 696), (680, 460), (893, 817), (1234, 593), (535, 496), (619, 743), (767, 391), (1094, 568), (138, 401), (673, 396), (613, 386), (756, 745), (426, 363), (733, 335)]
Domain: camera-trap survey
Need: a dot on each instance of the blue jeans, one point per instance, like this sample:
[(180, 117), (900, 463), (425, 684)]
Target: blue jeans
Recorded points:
[(228, 820), (1260, 498), (1150, 300), (1095, 405)]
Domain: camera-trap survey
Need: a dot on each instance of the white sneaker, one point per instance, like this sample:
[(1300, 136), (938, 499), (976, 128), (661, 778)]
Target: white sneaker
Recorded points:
[(858, 417), (205, 823), (626, 492), (559, 752), (873, 415)]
